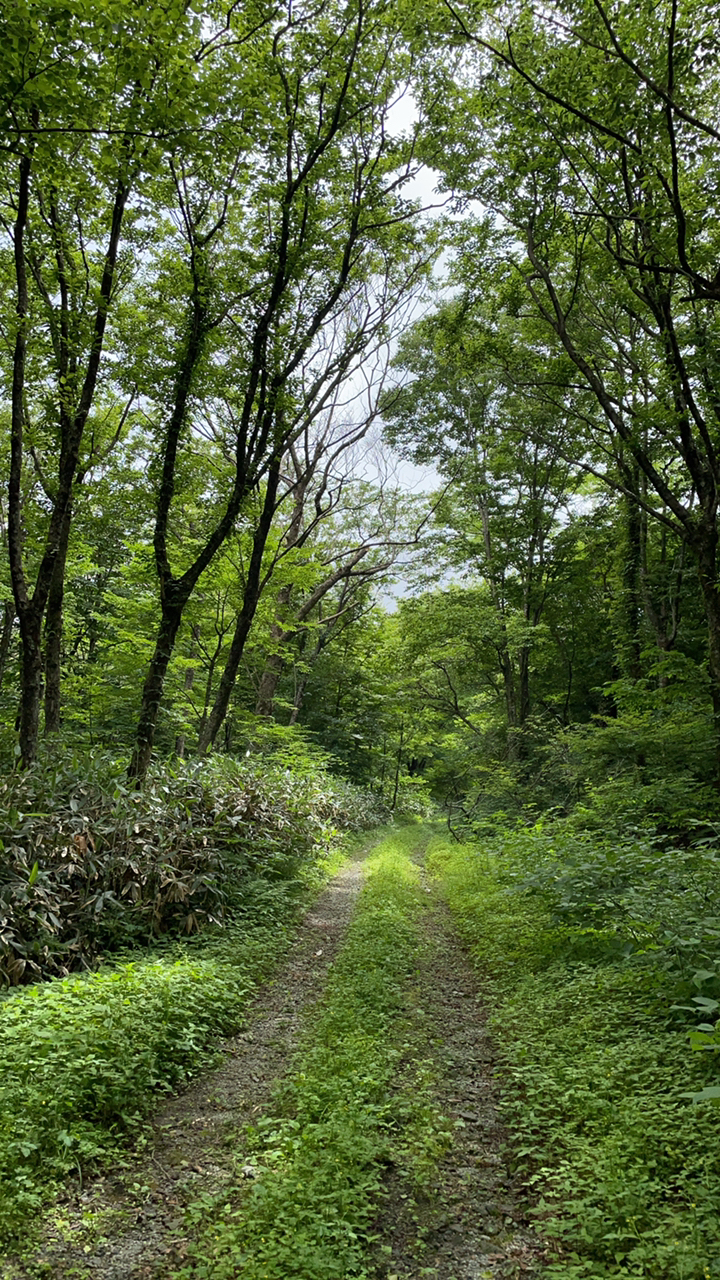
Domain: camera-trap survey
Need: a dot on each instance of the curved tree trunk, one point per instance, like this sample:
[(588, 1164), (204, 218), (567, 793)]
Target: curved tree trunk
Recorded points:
[(153, 688)]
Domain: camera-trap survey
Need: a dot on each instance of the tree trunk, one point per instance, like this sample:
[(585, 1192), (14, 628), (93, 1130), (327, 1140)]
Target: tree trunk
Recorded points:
[(153, 688), (54, 631), (275, 662), (511, 707), (31, 673), (270, 678), (523, 685), (213, 723), (31, 607), (706, 545), (253, 590), (298, 701), (632, 592), (398, 763), (6, 636)]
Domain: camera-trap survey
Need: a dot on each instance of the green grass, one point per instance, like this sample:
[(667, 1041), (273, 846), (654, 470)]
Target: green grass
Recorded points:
[(626, 1171), (358, 1098), (83, 1059)]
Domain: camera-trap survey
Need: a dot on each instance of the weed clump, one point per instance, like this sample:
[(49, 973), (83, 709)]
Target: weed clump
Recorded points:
[(82, 1059)]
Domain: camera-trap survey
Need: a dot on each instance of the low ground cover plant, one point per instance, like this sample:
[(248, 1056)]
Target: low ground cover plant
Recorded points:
[(588, 951), (82, 1059), (91, 873), (358, 1099)]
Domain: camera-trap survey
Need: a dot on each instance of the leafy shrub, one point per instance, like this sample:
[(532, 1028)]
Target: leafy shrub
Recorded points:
[(89, 864)]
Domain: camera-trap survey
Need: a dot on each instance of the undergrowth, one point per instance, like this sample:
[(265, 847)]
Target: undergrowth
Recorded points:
[(89, 865), (82, 1059), (359, 1098), (598, 1073)]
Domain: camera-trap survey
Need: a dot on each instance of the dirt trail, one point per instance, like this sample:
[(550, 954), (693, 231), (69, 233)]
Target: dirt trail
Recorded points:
[(128, 1225), (472, 1224)]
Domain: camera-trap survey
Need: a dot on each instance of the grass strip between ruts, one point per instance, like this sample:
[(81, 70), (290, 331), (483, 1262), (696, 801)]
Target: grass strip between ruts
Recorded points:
[(340, 1117), (627, 1171)]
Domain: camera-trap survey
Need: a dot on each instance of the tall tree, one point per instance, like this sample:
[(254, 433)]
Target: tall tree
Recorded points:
[(87, 98), (511, 484), (594, 139), (312, 481), (308, 219)]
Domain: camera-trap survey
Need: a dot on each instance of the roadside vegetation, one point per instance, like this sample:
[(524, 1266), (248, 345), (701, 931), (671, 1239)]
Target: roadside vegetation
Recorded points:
[(173, 903), (600, 958), (85, 1059), (91, 865), (230, 328)]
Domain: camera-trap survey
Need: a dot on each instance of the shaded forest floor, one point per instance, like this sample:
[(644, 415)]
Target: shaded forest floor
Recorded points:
[(445, 1206)]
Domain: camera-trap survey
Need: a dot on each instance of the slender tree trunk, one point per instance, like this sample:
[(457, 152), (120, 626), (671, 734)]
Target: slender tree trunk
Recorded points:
[(275, 662), (305, 679), (298, 700), (270, 678), (213, 723), (384, 764), (398, 763), (511, 707), (523, 685), (632, 591), (54, 632), (153, 688), (251, 597), (189, 682), (568, 694), (208, 690), (6, 636), (706, 547)]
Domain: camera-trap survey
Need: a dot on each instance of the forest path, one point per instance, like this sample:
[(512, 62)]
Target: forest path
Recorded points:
[(470, 1223), (467, 1223), (128, 1223)]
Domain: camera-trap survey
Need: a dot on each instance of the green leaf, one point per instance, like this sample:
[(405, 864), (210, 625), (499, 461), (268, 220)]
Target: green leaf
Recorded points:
[(709, 1094)]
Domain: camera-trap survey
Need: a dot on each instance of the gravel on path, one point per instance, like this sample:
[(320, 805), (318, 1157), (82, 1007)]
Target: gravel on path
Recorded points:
[(471, 1224)]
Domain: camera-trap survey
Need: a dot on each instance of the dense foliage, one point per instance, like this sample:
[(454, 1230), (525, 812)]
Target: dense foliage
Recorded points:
[(600, 957), (220, 295), (83, 1058), (91, 865)]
